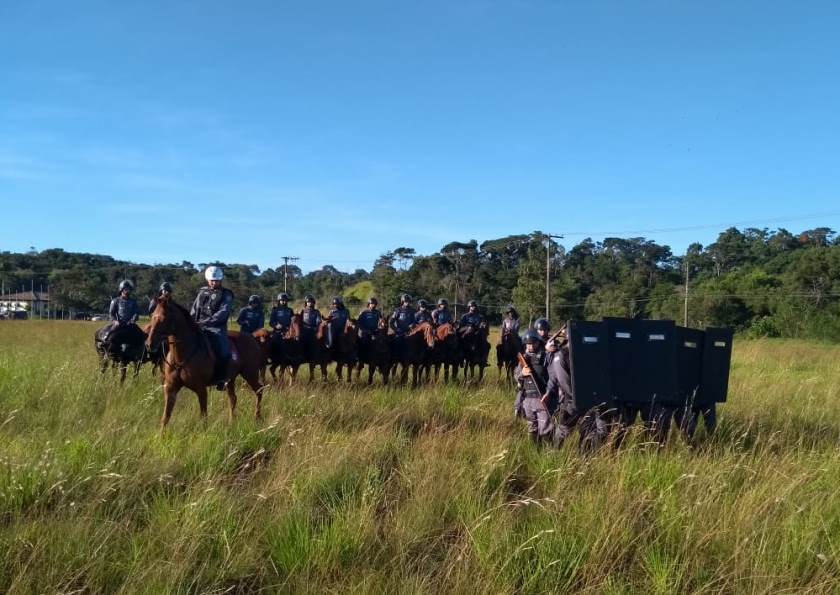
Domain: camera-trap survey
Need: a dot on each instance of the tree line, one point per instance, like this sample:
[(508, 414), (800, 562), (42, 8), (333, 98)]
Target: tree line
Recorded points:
[(760, 281)]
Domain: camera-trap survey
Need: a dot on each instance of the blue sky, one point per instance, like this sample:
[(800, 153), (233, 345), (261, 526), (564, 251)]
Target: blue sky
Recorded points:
[(334, 131)]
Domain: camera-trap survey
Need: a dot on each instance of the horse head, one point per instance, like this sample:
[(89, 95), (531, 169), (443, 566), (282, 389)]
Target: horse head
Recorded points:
[(169, 318), (293, 333), (428, 333)]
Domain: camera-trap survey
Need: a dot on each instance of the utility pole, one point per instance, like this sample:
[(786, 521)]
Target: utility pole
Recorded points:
[(286, 260), (685, 305), (548, 238)]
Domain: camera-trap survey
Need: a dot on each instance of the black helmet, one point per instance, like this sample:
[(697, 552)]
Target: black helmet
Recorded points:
[(422, 303), (531, 337), (253, 300), (542, 325), (509, 308), (442, 302), (165, 286), (336, 301), (373, 301), (283, 297), (405, 298), (309, 298), (126, 284), (472, 303)]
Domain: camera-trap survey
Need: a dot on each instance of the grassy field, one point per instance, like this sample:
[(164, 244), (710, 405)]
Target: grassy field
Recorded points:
[(396, 491)]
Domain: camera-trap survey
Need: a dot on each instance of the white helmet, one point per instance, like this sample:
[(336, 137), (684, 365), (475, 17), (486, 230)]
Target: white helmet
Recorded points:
[(214, 273)]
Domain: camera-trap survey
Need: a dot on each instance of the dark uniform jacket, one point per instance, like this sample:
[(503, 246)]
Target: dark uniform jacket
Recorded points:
[(310, 319), (368, 321), (338, 320), (280, 316), (472, 319), (211, 309), (442, 316), (250, 319), (124, 311), (401, 320), (422, 316), (559, 386)]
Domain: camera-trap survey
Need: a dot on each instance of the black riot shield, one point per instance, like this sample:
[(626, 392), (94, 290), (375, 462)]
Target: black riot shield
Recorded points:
[(589, 362), (622, 335), (717, 356), (690, 343), (655, 362)]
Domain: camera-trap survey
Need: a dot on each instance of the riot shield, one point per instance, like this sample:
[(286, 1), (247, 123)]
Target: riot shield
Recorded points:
[(655, 362), (690, 344), (717, 356), (589, 362), (622, 335)]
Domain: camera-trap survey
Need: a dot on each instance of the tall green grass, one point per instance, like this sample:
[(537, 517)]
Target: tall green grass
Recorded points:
[(397, 491)]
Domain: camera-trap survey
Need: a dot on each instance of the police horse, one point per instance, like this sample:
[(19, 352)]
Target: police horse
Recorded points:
[(190, 361)]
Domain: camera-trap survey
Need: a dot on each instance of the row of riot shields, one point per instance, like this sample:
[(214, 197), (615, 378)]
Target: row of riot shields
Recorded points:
[(641, 362)]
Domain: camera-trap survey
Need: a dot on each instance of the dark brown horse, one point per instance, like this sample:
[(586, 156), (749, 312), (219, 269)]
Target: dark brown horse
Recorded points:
[(345, 352), (446, 352), (190, 361), (375, 351), (317, 353), (417, 344), (475, 349), (507, 350), (125, 346)]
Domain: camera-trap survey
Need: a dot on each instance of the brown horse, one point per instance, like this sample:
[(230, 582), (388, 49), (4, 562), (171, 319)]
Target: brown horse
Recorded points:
[(190, 361), (446, 352), (285, 350), (375, 351)]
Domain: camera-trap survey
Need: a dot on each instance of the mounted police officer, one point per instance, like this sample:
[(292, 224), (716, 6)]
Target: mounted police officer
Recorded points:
[(442, 314), (368, 325), (531, 380), (310, 317), (510, 325), (280, 318), (164, 291), (251, 317), (337, 319), (211, 310), (123, 312), (472, 318), (422, 315), (401, 322)]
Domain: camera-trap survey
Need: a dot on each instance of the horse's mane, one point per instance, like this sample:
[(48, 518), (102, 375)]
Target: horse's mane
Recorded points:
[(192, 324)]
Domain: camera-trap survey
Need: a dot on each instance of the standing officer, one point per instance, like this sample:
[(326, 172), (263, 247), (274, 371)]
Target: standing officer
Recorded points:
[(531, 380), (442, 315), (280, 318), (251, 317), (211, 310), (422, 315)]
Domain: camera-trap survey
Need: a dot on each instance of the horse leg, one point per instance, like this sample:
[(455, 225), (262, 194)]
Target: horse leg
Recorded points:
[(370, 374), (480, 373), (123, 372), (293, 375), (231, 394), (311, 371), (170, 392), (258, 389), (201, 393)]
